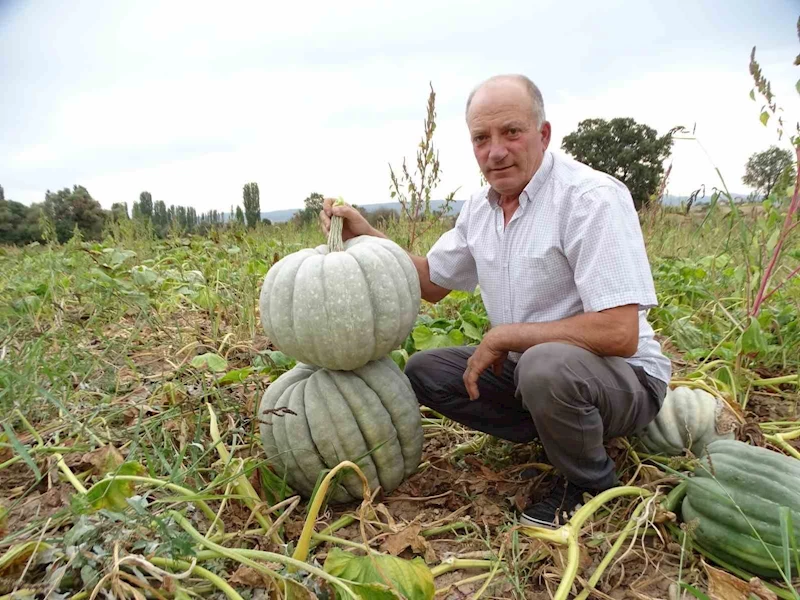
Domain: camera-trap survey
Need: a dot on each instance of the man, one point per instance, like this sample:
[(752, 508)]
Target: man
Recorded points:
[(557, 249)]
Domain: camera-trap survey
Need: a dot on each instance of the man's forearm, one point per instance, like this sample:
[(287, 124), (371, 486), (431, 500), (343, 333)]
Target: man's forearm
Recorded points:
[(608, 333)]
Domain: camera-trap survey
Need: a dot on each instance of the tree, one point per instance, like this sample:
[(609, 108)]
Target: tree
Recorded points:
[(146, 205), (312, 205), (239, 215), (252, 204), (119, 211), (160, 218), (2, 194), (764, 169), (629, 151), (18, 223), (70, 208)]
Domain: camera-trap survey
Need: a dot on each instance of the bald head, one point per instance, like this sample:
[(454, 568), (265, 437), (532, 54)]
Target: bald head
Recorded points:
[(503, 81)]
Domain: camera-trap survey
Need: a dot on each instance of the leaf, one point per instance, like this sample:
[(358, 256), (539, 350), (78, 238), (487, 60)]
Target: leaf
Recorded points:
[(412, 578), (236, 376), (210, 361), (753, 94), (104, 460), (752, 342), (797, 86), (400, 357), (471, 331), (144, 276), (21, 450), (112, 493), (764, 118)]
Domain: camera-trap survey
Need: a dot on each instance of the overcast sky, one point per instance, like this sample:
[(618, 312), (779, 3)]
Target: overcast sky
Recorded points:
[(190, 100)]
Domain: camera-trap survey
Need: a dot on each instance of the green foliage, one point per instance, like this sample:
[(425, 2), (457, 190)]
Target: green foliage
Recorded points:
[(312, 206), (630, 151), (239, 215), (68, 209), (19, 224), (252, 204), (146, 205), (765, 169), (119, 210), (369, 574)]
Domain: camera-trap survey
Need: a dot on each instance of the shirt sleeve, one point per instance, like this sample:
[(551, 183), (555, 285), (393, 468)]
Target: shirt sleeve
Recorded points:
[(450, 260), (603, 242)]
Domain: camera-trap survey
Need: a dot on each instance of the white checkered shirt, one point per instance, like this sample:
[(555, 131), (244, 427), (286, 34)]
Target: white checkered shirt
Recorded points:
[(574, 245)]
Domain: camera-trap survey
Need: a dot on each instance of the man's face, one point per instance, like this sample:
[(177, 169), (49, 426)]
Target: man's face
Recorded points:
[(506, 142)]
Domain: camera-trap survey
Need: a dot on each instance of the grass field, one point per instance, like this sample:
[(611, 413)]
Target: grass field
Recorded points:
[(117, 358)]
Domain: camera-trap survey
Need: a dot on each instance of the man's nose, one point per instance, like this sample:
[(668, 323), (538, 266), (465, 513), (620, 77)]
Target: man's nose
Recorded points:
[(497, 152)]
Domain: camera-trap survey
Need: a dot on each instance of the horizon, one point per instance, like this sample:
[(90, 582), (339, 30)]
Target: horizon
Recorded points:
[(209, 100)]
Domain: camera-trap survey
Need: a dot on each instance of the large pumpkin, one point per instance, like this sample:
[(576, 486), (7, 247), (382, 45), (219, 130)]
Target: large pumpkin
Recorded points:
[(733, 505), (341, 309), (311, 419), (689, 419)]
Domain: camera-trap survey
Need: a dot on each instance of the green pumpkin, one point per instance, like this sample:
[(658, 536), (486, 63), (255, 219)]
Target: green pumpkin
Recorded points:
[(311, 419), (689, 419), (737, 491), (341, 309)]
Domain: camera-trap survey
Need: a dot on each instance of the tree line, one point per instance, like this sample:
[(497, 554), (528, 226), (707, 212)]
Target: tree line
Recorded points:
[(632, 152), (69, 210)]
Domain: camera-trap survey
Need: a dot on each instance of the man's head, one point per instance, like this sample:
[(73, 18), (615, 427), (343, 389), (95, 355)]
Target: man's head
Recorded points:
[(506, 120)]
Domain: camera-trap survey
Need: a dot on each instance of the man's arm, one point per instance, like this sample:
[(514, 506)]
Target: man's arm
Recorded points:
[(355, 224), (611, 332)]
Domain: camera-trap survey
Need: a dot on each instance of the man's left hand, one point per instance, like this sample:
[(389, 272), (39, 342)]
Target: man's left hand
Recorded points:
[(490, 352)]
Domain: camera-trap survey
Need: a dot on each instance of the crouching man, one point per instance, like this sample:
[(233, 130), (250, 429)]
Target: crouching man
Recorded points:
[(570, 359)]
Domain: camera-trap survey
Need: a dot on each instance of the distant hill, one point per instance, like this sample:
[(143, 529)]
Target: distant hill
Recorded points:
[(281, 216)]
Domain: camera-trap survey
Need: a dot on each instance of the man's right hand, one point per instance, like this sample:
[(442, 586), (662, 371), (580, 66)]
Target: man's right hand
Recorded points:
[(354, 222)]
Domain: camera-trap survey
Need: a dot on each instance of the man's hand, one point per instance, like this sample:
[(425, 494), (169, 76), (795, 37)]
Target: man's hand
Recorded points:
[(490, 352), (354, 222)]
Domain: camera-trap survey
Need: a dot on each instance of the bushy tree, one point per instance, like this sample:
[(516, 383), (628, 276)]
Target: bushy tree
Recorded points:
[(312, 205), (160, 218), (764, 169), (629, 151), (239, 215), (252, 204), (70, 208), (18, 223), (119, 211), (146, 205)]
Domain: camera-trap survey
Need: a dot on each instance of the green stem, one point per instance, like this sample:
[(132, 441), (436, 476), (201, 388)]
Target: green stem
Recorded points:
[(190, 496), (445, 528), (69, 474), (598, 572), (338, 524), (342, 542), (242, 557), (303, 544), (180, 565), (568, 533), (795, 379), (780, 441), (29, 427), (455, 564)]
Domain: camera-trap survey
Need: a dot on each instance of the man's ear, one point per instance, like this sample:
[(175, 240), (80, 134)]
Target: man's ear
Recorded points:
[(546, 133)]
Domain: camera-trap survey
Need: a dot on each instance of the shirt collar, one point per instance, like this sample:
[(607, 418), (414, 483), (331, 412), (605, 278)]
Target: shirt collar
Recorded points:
[(534, 185)]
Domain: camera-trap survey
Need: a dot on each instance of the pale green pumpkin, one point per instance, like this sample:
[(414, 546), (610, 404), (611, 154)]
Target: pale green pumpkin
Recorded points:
[(341, 309), (311, 419), (689, 419)]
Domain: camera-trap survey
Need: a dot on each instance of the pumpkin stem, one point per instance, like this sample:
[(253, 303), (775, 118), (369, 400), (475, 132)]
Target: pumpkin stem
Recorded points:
[(335, 243)]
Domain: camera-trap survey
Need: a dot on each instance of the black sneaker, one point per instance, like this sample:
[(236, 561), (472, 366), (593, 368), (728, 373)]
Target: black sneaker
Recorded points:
[(556, 509)]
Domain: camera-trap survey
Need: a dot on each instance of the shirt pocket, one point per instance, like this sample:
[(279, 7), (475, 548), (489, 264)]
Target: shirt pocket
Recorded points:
[(541, 285)]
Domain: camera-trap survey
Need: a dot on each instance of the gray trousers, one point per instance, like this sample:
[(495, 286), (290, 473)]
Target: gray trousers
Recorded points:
[(568, 398)]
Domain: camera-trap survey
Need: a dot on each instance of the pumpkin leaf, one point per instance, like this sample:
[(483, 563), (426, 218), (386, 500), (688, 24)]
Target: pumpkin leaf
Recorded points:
[(752, 341), (426, 339), (112, 493), (411, 578), (210, 361), (236, 376), (471, 331), (400, 358)]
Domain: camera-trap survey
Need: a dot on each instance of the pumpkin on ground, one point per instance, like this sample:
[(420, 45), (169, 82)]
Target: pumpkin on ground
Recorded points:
[(735, 497), (340, 309), (689, 419), (311, 419)]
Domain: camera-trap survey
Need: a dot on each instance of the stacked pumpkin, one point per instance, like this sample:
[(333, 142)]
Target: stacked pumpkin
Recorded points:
[(339, 310)]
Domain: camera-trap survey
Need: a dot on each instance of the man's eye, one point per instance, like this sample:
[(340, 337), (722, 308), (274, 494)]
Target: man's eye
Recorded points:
[(513, 131), (478, 139)]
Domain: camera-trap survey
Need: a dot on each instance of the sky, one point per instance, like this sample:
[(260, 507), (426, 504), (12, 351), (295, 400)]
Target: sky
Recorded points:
[(191, 100)]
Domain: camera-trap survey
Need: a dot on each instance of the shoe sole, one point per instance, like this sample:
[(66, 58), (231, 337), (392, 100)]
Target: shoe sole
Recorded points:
[(527, 521)]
